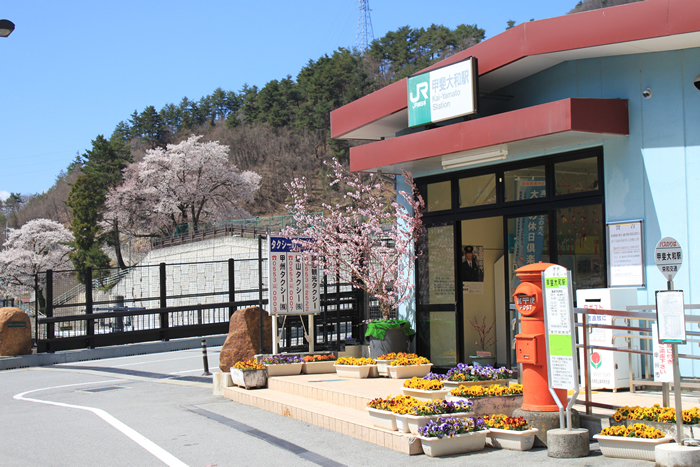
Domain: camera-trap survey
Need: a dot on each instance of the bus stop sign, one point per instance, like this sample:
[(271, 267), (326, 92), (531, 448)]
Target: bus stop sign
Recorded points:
[(669, 257)]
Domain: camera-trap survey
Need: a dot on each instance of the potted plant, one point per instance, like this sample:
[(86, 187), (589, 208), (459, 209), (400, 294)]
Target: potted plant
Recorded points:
[(282, 365), (369, 238), (315, 364), (424, 389), (401, 406), (380, 413), (637, 441), (249, 374), (447, 436), (476, 375), (349, 367), (432, 410), (486, 340), (409, 367), (487, 400), (662, 418), (508, 432), (384, 360)]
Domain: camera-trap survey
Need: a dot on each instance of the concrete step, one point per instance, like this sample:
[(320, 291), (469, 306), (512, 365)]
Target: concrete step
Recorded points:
[(329, 402)]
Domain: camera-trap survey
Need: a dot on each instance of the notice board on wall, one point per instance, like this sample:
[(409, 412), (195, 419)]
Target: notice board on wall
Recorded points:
[(625, 254)]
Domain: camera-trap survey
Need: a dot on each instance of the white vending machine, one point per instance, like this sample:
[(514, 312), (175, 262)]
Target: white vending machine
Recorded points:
[(607, 369)]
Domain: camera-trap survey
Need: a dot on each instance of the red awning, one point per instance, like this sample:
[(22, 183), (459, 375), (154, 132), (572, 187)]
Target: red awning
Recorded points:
[(541, 127)]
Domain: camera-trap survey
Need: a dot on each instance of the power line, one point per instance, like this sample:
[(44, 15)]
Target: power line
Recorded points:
[(365, 34)]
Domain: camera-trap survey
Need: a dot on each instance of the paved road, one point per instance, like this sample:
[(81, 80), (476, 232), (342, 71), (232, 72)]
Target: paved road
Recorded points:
[(158, 410)]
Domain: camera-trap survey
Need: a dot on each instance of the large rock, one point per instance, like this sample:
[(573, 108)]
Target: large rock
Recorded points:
[(243, 341), (15, 332)]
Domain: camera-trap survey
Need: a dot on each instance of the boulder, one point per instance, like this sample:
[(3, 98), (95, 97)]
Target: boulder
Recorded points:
[(243, 341), (15, 332)]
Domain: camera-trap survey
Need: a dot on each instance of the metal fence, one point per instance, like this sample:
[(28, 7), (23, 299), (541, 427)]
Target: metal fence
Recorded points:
[(96, 308)]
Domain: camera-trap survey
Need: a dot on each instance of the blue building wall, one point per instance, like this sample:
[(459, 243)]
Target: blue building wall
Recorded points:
[(654, 173)]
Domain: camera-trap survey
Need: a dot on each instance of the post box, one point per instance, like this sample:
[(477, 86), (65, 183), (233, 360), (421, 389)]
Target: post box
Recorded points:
[(530, 344)]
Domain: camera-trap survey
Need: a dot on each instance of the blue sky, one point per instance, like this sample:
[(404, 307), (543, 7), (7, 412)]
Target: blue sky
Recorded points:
[(73, 69)]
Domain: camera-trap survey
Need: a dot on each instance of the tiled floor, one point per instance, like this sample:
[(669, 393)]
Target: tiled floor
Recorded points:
[(338, 404)]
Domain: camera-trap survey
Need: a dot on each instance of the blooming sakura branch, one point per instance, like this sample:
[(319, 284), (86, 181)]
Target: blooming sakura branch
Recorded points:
[(368, 238)]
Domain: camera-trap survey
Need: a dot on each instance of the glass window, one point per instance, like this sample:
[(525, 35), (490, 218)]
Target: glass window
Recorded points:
[(477, 191), (576, 176), (438, 196), (436, 266), (525, 184), (528, 243), (581, 244)]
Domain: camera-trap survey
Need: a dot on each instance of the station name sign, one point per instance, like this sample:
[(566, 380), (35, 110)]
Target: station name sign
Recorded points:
[(442, 94)]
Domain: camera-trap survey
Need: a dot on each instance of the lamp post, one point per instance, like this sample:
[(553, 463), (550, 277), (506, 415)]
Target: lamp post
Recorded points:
[(6, 27)]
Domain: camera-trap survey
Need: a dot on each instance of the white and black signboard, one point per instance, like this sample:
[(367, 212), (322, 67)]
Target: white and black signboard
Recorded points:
[(669, 257), (670, 316), (294, 284), (626, 254), (559, 328)]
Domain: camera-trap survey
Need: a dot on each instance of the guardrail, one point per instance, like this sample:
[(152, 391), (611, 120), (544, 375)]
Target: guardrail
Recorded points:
[(629, 315)]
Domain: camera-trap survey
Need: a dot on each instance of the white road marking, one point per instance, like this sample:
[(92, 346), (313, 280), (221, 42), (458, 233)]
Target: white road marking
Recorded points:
[(135, 436)]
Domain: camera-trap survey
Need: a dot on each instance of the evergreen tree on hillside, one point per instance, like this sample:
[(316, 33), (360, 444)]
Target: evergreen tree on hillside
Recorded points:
[(102, 170)]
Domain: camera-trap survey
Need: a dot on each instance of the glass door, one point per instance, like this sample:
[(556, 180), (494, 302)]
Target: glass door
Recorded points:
[(437, 318)]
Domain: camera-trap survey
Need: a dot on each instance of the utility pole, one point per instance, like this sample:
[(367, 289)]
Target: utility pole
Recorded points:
[(365, 35)]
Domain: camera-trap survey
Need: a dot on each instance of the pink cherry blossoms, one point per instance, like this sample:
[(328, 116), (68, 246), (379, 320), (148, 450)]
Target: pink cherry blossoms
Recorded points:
[(368, 239)]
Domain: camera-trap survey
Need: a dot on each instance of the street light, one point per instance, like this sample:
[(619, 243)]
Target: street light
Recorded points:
[(6, 27)]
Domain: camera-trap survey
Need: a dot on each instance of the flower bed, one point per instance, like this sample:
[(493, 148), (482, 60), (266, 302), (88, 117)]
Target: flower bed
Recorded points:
[(282, 365), (348, 367), (637, 441), (661, 418), (448, 436), (315, 364), (249, 374), (464, 372), (508, 432), (491, 399)]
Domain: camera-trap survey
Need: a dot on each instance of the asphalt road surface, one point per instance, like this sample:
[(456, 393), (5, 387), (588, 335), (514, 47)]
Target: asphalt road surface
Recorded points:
[(158, 409)]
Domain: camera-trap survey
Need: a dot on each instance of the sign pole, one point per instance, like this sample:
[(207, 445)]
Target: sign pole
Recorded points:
[(561, 346), (677, 390)]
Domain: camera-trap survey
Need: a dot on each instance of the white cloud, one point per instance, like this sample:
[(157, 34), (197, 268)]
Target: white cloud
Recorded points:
[(4, 195)]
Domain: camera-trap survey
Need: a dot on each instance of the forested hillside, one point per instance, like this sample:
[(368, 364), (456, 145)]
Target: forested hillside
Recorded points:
[(279, 130)]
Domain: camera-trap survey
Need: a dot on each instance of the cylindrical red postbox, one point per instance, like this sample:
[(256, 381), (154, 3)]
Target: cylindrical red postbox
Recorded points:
[(530, 344)]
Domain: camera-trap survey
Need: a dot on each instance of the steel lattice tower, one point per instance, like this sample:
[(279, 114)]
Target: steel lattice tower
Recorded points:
[(365, 35)]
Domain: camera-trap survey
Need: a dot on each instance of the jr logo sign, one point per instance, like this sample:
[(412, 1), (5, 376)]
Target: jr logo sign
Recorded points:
[(419, 100)]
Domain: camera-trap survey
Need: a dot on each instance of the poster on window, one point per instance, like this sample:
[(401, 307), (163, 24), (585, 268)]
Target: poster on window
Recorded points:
[(529, 230), (472, 269)]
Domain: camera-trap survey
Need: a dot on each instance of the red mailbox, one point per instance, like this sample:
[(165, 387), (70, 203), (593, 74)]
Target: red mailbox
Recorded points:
[(530, 344)]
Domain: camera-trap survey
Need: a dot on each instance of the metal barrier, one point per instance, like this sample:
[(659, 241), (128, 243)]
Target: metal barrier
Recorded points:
[(629, 315)]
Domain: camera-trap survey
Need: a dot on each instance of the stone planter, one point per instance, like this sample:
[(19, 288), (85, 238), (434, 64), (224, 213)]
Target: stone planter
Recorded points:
[(395, 340), (353, 371), (496, 404), (425, 394), (669, 429), (489, 382), (249, 379), (630, 448), (382, 418), (383, 367), (458, 444), (511, 439), (284, 369), (409, 371), (314, 368)]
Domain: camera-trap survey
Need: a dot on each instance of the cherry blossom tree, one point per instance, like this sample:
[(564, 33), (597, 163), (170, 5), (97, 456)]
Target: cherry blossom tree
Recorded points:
[(37, 246), (186, 183), (368, 238)]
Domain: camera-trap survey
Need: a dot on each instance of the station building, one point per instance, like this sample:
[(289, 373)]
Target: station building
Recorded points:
[(582, 126)]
